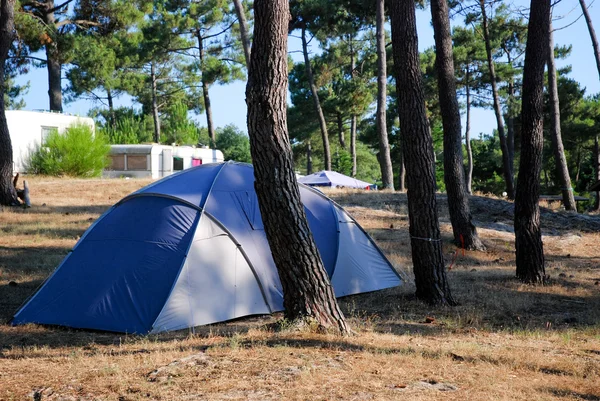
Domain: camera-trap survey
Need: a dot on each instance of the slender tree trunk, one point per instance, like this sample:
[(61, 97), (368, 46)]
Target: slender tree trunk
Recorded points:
[(8, 194), (578, 162), (111, 110), (562, 170), (469, 173), (597, 170), (402, 175), (385, 160), (353, 116), (426, 244), (155, 115), (309, 161), (307, 293), (54, 65), (506, 164), (317, 103), (340, 124), (244, 32), (510, 127), (465, 233), (528, 235), (588, 20), (205, 93)]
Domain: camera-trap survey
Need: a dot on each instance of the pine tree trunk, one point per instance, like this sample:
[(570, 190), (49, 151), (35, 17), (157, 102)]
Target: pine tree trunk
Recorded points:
[(307, 293), (588, 20), (597, 171), (340, 124), (562, 170), (385, 160), (111, 110), (8, 194), (205, 93), (465, 233), (426, 244), (506, 162), (155, 115), (309, 161), (317, 103), (402, 175), (244, 32), (510, 127), (528, 235), (353, 116), (469, 173), (54, 65)]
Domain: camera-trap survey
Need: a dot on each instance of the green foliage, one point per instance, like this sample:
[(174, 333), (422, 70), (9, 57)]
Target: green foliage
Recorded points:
[(487, 159), (131, 126), (178, 128), (78, 153), (234, 144)]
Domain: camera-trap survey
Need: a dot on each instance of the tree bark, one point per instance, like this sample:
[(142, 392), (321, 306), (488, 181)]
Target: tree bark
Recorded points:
[(8, 193), (111, 110), (555, 133), (340, 124), (469, 172), (426, 245), (385, 160), (307, 293), (53, 60), (353, 116), (588, 20), (244, 32), (309, 161), (528, 236), (205, 94), (506, 162), (316, 102), (155, 115), (465, 233), (597, 171)]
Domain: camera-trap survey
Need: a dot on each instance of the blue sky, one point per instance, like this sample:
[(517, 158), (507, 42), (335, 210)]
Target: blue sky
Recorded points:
[(229, 105)]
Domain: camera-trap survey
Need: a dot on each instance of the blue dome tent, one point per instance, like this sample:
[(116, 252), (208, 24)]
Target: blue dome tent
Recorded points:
[(190, 250)]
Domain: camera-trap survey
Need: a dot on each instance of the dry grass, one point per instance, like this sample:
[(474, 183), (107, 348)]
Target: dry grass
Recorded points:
[(506, 341)]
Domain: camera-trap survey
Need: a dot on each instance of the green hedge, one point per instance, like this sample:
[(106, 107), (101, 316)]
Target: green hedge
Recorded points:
[(77, 153)]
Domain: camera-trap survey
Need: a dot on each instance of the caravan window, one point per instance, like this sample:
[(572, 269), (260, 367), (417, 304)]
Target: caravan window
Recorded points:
[(46, 131)]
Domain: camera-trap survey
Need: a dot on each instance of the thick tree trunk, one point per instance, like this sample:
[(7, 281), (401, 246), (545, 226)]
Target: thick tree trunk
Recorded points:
[(54, 65), (426, 244), (469, 172), (465, 233), (8, 193), (307, 293), (562, 170), (155, 115), (205, 94), (244, 32), (506, 163), (588, 20), (317, 103), (528, 235), (340, 124), (385, 160)]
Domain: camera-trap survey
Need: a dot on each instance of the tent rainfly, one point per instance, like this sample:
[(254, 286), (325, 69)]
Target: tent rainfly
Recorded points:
[(333, 179), (190, 250)]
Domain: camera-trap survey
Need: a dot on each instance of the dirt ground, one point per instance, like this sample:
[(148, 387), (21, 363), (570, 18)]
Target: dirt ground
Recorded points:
[(505, 341)]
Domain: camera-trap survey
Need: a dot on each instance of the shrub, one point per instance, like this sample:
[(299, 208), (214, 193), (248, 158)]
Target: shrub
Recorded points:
[(77, 153)]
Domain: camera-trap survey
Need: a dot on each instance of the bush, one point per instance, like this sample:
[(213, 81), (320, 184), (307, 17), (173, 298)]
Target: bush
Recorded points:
[(77, 153)]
